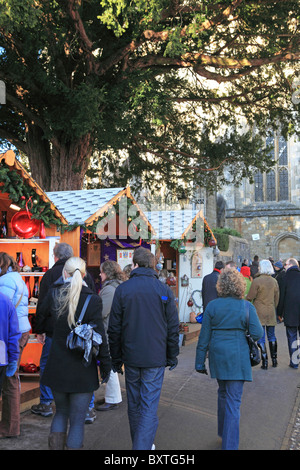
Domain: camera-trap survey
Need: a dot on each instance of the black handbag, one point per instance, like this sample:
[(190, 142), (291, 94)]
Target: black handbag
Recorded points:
[(83, 338), (253, 348)]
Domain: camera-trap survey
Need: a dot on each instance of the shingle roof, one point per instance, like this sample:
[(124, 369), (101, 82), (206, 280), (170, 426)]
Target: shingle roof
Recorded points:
[(171, 225), (78, 206)]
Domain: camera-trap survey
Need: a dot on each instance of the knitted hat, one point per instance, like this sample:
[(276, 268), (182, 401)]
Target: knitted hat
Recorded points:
[(278, 264), (245, 271)]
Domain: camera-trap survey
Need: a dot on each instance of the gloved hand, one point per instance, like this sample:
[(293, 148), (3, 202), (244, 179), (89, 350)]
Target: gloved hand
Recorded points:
[(117, 367), (11, 368), (105, 374), (202, 371), (172, 363)]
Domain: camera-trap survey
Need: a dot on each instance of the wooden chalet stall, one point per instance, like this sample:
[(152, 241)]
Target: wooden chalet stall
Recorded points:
[(185, 251), (109, 225), (31, 239)]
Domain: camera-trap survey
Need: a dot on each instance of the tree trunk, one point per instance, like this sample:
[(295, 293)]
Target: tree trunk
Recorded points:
[(39, 156), (69, 164), (58, 166)]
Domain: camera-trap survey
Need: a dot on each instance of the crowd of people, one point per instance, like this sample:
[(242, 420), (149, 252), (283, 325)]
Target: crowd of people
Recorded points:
[(263, 292), (114, 343), (270, 292)]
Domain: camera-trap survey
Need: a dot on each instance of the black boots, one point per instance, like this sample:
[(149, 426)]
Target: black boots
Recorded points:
[(273, 352), (264, 355)]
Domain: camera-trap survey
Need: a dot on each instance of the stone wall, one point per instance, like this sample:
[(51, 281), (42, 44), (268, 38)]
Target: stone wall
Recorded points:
[(237, 251), (277, 236)]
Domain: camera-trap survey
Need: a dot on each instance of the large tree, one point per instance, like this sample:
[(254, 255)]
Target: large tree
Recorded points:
[(151, 86)]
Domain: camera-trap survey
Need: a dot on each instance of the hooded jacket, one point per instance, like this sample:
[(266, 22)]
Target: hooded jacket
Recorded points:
[(13, 286), (9, 332)]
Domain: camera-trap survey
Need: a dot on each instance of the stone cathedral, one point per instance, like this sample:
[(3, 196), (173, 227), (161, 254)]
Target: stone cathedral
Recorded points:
[(267, 212)]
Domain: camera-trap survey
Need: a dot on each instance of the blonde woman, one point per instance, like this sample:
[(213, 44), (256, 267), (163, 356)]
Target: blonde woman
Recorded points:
[(71, 382)]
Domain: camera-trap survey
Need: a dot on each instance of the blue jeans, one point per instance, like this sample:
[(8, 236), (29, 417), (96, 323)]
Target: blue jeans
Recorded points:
[(270, 334), (229, 402), (143, 387), (46, 396), (293, 344), (71, 408)]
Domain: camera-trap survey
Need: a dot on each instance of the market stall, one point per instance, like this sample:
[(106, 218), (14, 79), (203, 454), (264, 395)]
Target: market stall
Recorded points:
[(30, 227), (185, 250), (110, 225)]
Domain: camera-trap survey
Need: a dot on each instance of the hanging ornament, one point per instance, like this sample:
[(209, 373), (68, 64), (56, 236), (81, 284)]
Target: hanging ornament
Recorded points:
[(42, 230), (23, 225), (190, 302)]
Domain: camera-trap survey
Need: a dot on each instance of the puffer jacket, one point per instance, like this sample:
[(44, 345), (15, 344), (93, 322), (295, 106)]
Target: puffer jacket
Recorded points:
[(9, 332), (13, 286)]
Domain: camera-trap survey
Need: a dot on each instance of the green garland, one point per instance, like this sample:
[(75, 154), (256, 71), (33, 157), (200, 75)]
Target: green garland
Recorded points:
[(19, 192), (176, 244)]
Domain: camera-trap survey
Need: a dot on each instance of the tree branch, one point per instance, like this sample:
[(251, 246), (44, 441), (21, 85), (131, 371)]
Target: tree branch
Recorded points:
[(177, 164), (19, 144)]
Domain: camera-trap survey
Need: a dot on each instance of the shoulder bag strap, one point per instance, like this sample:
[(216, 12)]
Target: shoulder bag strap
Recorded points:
[(18, 303), (247, 315), (79, 321)]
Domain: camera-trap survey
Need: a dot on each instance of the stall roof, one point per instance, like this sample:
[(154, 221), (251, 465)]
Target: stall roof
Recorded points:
[(80, 205), (84, 206), (173, 225), (11, 161)]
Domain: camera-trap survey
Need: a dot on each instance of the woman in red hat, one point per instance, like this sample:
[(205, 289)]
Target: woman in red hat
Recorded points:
[(245, 271)]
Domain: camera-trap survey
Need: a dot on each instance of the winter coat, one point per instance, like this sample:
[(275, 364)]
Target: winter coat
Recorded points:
[(9, 332), (209, 291), (55, 273), (264, 292), (254, 268), (143, 326), (107, 294), (12, 285), (65, 371), (289, 302), (223, 335), (50, 277)]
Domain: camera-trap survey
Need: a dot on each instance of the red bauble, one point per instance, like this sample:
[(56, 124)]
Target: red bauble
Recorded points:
[(212, 242), (23, 225), (42, 230)]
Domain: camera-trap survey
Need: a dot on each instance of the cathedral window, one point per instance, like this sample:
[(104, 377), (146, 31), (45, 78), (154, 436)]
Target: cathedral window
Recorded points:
[(274, 185)]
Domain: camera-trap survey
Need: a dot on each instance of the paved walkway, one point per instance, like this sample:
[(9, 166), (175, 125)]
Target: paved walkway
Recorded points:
[(270, 416)]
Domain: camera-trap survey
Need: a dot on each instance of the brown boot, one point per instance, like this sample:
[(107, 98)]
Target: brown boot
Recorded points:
[(57, 441)]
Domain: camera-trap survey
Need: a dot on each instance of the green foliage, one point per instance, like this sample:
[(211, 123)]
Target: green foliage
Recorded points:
[(222, 236), (150, 87)]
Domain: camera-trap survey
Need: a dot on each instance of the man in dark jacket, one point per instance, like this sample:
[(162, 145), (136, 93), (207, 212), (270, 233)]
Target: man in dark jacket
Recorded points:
[(143, 335), (288, 309), (209, 291)]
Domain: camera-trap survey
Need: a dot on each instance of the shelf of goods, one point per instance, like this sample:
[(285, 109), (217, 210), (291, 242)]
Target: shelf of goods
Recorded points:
[(44, 259)]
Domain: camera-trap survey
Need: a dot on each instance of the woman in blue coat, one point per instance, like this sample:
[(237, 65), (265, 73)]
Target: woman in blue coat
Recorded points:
[(13, 286), (223, 334)]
